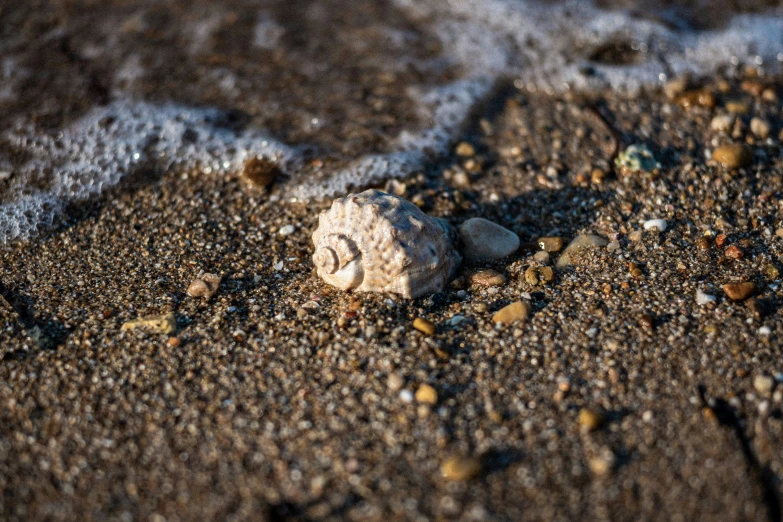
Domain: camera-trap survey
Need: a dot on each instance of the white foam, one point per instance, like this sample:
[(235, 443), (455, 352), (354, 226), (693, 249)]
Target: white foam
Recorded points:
[(108, 143)]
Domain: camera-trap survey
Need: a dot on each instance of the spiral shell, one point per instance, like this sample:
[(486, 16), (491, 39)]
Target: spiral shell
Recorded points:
[(377, 242)]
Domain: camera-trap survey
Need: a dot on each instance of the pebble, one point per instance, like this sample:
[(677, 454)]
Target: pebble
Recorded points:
[(733, 155), (603, 463), (426, 394), (460, 468), (538, 274), (424, 326), (465, 149), (734, 252), (579, 243), (703, 298), (722, 123), (737, 106), (205, 285), (636, 158), (739, 291), (395, 382), (406, 396), (635, 236), (260, 172), (543, 257), (763, 384), (517, 311), (487, 278), (760, 128), (590, 420), (771, 271), (484, 240), (550, 244), (286, 230), (660, 224), (165, 324)]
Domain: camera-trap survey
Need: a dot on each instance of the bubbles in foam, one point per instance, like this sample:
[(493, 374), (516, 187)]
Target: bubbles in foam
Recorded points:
[(109, 143)]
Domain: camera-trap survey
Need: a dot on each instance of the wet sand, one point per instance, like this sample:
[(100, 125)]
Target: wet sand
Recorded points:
[(284, 399)]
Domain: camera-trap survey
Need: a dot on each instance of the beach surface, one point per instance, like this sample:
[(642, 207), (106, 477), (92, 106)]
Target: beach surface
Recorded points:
[(637, 388)]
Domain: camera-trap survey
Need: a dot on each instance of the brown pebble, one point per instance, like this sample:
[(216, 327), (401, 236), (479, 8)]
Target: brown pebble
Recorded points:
[(697, 98), (550, 244), (424, 326), (734, 252), (733, 155), (739, 291), (590, 420), (598, 176), (465, 149), (206, 285), (260, 172), (174, 342), (487, 278), (426, 394), (703, 243), (647, 321), (517, 311), (460, 468), (720, 239)]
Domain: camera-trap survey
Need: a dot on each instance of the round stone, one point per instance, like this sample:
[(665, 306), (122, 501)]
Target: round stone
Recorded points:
[(733, 155), (484, 240)]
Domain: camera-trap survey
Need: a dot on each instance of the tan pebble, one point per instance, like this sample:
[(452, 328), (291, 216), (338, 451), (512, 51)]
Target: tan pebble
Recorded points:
[(709, 414), (598, 176), (517, 311), (779, 232), (174, 342), (542, 257), (739, 291), (260, 172), (771, 271), (206, 285), (763, 384), (635, 236), (546, 274), (734, 252), (495, 416), (602, 464), (676, 86), (703, 243), (760, 128), (550, 244), (697, 98), (582, 242), (426, 394), (460, 468), (424, 326), (737, 106), (465, 149), (531, 275), (487, 278), (165, 324), (733, 155), (769, 95), (590, 420), (722, 123)]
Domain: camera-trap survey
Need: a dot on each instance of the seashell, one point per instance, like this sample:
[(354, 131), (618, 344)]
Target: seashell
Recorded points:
[(377, 242)]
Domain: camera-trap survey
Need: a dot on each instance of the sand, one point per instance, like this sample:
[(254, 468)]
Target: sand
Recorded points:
[(281, 398)]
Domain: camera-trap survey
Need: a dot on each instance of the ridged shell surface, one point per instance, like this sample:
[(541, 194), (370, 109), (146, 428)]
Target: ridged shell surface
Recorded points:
[(377, 242)]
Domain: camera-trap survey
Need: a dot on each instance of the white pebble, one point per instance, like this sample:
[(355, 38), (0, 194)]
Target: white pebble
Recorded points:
[(406, 396), (765, 330), (286, 230), (703, 298), (660, 224)]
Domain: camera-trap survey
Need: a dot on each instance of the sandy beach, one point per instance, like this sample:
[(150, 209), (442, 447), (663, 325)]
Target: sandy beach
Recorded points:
[(636, 389)]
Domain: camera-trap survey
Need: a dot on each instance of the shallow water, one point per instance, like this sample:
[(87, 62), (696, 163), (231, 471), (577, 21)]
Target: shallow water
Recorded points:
[(96, 93)]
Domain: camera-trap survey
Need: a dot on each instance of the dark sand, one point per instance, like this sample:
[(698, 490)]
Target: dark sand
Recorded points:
[(277, 403)]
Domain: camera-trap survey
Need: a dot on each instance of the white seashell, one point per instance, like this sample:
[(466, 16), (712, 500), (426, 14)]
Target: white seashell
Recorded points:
[(660, 224), (377, 242)]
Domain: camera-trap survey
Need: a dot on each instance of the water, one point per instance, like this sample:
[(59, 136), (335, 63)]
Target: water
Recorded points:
[(91, 96)]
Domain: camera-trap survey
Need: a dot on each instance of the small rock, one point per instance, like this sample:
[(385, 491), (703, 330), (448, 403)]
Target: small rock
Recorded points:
[(395, 382), (660, 224), (484, 240), (542, 257), (636, 158), (704, 298), (550, 244), (465, 149), (590, 420), (737, 106), (286, 230), (771, 271), (734, 252), (205, 285), (426, 394), (603, 463), (487, 278), (424, 326), (517, 311), (733, 155), (5, 174), (739, 291), (764, 384), (760, 128), (647, 321), (165, 324), (722, 123), (260, 172), (538, 274), (579, 243), (460, 468), (635, 236)]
